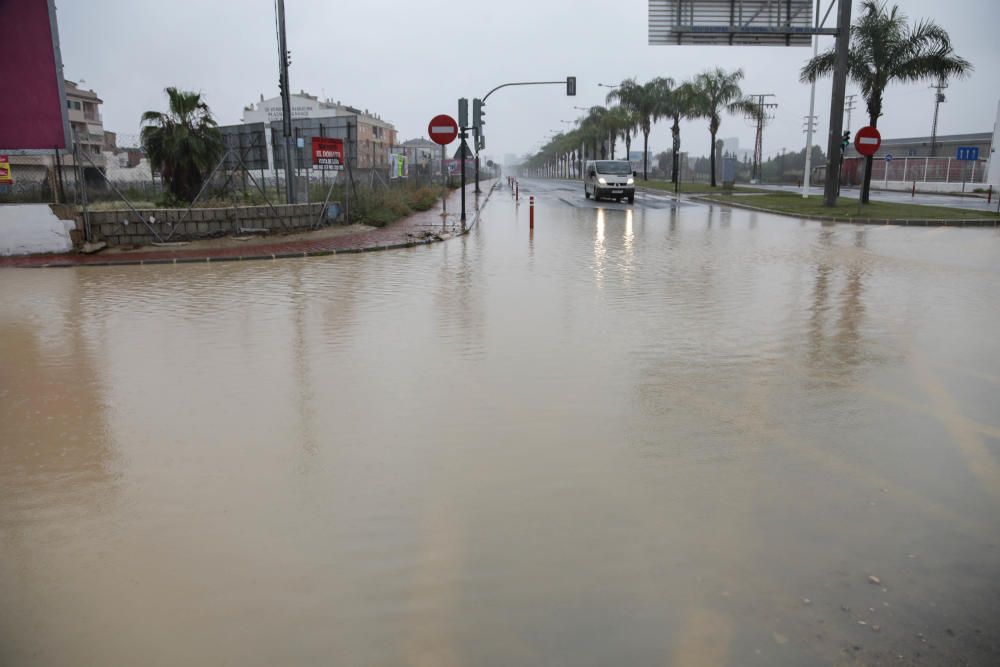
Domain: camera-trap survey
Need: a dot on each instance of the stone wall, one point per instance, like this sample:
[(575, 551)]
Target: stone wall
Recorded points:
[(126, 228)]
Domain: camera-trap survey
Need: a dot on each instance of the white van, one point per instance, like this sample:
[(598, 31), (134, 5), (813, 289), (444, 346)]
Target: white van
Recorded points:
[(613, 179)]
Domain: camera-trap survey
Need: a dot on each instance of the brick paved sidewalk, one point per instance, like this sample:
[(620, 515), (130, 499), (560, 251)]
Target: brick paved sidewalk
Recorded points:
[(417, 229)]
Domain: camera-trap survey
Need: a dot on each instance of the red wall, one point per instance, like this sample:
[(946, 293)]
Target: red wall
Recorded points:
[(31, 115)]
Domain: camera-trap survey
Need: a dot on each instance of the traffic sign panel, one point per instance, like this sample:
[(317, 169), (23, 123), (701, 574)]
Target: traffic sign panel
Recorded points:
[(442, 129), (967, 153), (888, 157), (867, 140)]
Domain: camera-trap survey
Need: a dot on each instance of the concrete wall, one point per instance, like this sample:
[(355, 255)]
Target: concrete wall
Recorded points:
[(33, 228), (126, 228)]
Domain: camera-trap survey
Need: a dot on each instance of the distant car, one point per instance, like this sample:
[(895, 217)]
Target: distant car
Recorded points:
[(613, 179)]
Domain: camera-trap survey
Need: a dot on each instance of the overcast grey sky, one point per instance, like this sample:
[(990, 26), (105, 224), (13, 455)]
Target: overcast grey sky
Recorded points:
[(409, 60)]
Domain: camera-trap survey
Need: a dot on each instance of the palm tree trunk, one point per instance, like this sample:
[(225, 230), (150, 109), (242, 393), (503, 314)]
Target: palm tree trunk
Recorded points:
[(676, 132), (613, 141), (628, 145), (712, 158), (645, 155)]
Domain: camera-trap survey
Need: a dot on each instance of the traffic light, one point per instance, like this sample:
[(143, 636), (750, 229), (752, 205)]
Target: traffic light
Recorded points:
[(845, 140), (571, 86), (463, 113), (477, 113)]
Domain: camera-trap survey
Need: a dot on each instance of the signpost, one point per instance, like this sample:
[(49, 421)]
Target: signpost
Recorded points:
[(966, 154), (442, 130), (866, 142)]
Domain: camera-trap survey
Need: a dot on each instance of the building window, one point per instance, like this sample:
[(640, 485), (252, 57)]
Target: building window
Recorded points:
[(69, 104), (76, 105)]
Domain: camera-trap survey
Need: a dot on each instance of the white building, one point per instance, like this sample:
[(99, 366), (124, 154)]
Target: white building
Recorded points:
[(376, 137)]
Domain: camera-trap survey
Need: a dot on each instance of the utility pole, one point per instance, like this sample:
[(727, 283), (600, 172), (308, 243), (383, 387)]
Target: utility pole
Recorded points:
[(849, 107), (758, 147), (286, 105), (833, 150), (938, 99), (811, 118)]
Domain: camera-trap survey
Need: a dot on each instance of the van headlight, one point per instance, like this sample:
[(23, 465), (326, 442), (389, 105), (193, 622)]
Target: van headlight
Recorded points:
[(631, 181), (602, 181)]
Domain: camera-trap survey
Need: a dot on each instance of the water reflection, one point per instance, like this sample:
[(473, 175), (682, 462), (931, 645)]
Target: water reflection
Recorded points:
[(492, 452)]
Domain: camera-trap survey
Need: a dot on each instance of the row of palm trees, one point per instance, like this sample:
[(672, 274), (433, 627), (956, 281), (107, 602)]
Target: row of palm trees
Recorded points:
[(884, 49), (639, 105)]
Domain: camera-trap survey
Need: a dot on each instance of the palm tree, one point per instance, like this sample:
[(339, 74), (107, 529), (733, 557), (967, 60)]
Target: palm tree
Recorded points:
[(621, 124), (677, 103), (642, 100), (884, 49), (716, 91), (595, 129), (184, 143)]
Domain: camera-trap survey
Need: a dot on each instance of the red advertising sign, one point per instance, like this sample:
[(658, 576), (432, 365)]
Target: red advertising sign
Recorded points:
[(328, 153), (867, 140), (32, 102), (442, 129), (6, 177)]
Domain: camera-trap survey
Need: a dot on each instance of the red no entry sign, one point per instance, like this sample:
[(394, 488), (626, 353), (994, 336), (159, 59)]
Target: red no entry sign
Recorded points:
[(867, 140), (442, 129)]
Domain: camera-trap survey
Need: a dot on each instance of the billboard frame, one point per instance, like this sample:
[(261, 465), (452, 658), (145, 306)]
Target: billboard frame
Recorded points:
[(715, 23), (68, 139)]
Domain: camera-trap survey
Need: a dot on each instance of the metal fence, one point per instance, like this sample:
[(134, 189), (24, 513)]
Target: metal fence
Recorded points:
[(930, 170)]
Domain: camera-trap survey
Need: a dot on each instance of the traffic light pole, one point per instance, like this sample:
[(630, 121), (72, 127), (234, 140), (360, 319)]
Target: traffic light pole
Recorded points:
[(286, 110), (476, 130), (463, 135), (832, 184)]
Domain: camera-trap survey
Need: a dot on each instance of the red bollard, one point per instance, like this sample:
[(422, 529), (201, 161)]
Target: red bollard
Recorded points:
[(531, 212)]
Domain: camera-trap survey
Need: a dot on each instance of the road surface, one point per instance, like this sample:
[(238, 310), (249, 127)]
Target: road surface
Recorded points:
[(640, 435)]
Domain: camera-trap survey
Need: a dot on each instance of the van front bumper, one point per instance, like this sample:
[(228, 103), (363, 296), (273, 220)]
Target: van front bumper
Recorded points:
[(614, 191)]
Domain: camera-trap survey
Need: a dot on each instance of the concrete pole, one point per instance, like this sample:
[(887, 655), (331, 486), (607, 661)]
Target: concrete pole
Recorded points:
[(832, 184), (812, 116)]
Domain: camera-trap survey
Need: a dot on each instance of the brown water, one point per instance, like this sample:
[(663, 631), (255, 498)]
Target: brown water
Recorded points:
[(640, 438)]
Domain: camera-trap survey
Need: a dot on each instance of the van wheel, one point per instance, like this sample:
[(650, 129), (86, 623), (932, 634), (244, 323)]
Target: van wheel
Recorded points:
[(585, 193), (631, 199)]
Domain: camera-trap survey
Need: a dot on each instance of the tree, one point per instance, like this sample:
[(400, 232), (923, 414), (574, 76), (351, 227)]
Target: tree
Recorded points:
[(884, 49), (676, 103), (620, 123), (643, 101), (714, 92), (184, 144)]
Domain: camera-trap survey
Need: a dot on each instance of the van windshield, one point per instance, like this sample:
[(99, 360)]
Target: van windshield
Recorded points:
[(614, 167)]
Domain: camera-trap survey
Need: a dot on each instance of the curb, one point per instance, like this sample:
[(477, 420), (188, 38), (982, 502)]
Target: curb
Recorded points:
[(323, 252), (905, 222)]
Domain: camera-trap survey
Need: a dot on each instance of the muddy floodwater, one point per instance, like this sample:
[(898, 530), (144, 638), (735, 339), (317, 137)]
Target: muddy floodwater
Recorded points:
[(642, 435)]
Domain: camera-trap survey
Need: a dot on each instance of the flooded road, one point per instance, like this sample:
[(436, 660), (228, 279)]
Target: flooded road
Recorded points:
[(649, 435)]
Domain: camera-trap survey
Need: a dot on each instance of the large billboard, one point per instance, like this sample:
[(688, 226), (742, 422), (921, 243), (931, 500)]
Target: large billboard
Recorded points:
[(732, 22), (32, 94)]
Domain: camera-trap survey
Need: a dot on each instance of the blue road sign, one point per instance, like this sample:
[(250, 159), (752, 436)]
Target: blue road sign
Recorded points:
[(967, 153), (888, 157)]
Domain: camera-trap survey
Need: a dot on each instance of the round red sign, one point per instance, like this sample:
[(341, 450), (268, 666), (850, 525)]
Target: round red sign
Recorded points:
[(867, 140), (442, 129)]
